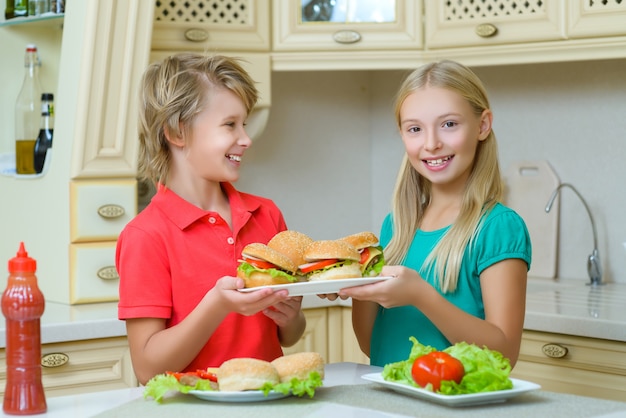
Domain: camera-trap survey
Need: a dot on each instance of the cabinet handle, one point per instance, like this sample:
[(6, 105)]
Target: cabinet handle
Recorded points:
[(108, 273), (53, 360), (111, 211), (196, 35), (554, 350), (347, 36), (486, 30)]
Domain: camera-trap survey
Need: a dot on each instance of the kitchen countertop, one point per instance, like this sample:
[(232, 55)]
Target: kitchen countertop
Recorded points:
[(560, 306), (344, 394)]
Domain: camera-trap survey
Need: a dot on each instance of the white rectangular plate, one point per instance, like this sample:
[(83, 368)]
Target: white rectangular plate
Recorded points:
[(243, 396), (318, 287), (519, 387)]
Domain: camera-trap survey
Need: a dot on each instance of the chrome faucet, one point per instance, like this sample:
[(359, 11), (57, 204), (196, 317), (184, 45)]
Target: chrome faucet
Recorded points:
[(594, 269)]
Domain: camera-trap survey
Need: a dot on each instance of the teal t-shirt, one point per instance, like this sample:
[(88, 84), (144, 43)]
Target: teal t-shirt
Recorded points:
[(503, 235)]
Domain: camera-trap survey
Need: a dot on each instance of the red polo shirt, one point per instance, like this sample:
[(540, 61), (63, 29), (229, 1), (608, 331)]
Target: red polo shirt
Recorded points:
[(173, 252)]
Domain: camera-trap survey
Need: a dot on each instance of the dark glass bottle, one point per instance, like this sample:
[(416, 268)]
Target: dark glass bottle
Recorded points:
[(23, 305), (9, 10), (43, 145)]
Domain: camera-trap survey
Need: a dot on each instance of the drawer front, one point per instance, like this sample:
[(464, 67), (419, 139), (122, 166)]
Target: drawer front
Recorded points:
[(576, 365), (574, 352), (89, 366), (93, 277), (99, 210)]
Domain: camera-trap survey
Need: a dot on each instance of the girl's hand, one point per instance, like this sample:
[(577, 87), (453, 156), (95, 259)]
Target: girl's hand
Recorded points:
[(400, 290), (248, 303), (283, 313)]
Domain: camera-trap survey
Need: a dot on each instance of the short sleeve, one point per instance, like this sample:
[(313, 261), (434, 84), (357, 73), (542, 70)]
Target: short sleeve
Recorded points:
[(503, 235)]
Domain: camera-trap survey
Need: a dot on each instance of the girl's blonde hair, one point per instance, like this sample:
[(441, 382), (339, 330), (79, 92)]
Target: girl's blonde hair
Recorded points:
[(412, 192), (174, 91)]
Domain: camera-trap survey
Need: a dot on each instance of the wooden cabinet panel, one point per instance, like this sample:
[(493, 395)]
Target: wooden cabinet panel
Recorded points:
[(91, 366), (209, 25), (315, 334), (93, 277), (590, 18), (569, 364), (292, 34), (99, 210), (490, 22)]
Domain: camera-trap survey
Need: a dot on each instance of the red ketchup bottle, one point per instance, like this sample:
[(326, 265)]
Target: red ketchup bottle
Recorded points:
[(22, 306)]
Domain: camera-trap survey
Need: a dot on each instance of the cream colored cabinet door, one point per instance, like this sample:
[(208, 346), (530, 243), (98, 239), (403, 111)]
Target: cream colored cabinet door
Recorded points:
[(591, 18), (351, 350), (212, 25), (491, 22), (400, 27), (315, 335), (82, 366), (115, 47), (576, 365)]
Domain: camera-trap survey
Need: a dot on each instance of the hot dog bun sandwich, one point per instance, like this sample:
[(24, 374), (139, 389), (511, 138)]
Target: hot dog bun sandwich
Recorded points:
[(245, 374), (292, 244), (262, 266), (372, 259), (331, 260)]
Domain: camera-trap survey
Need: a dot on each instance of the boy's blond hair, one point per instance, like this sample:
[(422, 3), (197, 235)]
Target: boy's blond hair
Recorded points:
[(174, 91), (412, 192)]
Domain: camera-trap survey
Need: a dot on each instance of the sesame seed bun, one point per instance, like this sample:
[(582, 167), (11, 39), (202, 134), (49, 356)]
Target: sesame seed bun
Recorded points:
[(264, 252), (245, 374), (292, 244), (361, 240), (299, 366), (326, 249)]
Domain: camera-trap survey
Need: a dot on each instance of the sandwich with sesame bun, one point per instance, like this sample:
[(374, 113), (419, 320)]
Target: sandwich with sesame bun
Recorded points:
[(262, 266), (331, 260), (372, 259), (293, 244)]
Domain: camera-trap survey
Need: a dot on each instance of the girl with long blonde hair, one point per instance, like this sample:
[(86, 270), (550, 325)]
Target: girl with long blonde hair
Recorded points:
[(459, 258)]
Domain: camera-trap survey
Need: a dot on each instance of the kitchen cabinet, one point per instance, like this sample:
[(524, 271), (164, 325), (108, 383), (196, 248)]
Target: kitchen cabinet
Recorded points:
[(457, 24), (329, 332), (588, 18), (100, 57), (82, 366), (488, 32), (571, 364), (205, 25), (292, 32)]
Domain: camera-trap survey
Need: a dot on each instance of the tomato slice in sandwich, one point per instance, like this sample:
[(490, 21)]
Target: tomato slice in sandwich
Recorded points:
[(365, 255), (316, 265), (260, 264)]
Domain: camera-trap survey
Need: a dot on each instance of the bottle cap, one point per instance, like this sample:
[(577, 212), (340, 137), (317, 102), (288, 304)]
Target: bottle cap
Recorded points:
[(22, 262), (31, 47), (47, 96)]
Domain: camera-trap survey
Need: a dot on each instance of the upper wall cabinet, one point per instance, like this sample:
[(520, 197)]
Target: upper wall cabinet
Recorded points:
[(342, 25), (211, 25), (592, 18), (489, 22)]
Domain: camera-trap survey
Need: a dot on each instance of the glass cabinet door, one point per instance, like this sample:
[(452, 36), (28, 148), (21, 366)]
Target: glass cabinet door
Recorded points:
[(336, 25)]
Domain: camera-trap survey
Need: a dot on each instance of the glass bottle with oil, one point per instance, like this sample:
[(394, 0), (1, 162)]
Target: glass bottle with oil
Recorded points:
[(28, 114)]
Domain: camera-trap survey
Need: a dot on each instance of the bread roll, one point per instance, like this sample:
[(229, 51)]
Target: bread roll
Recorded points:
[(361, 240), (299, 365), (292, 244), (245, 374), (327, 249)]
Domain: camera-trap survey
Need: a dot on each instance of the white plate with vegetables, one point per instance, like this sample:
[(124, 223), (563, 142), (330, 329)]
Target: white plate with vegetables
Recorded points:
[(519, 387)]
